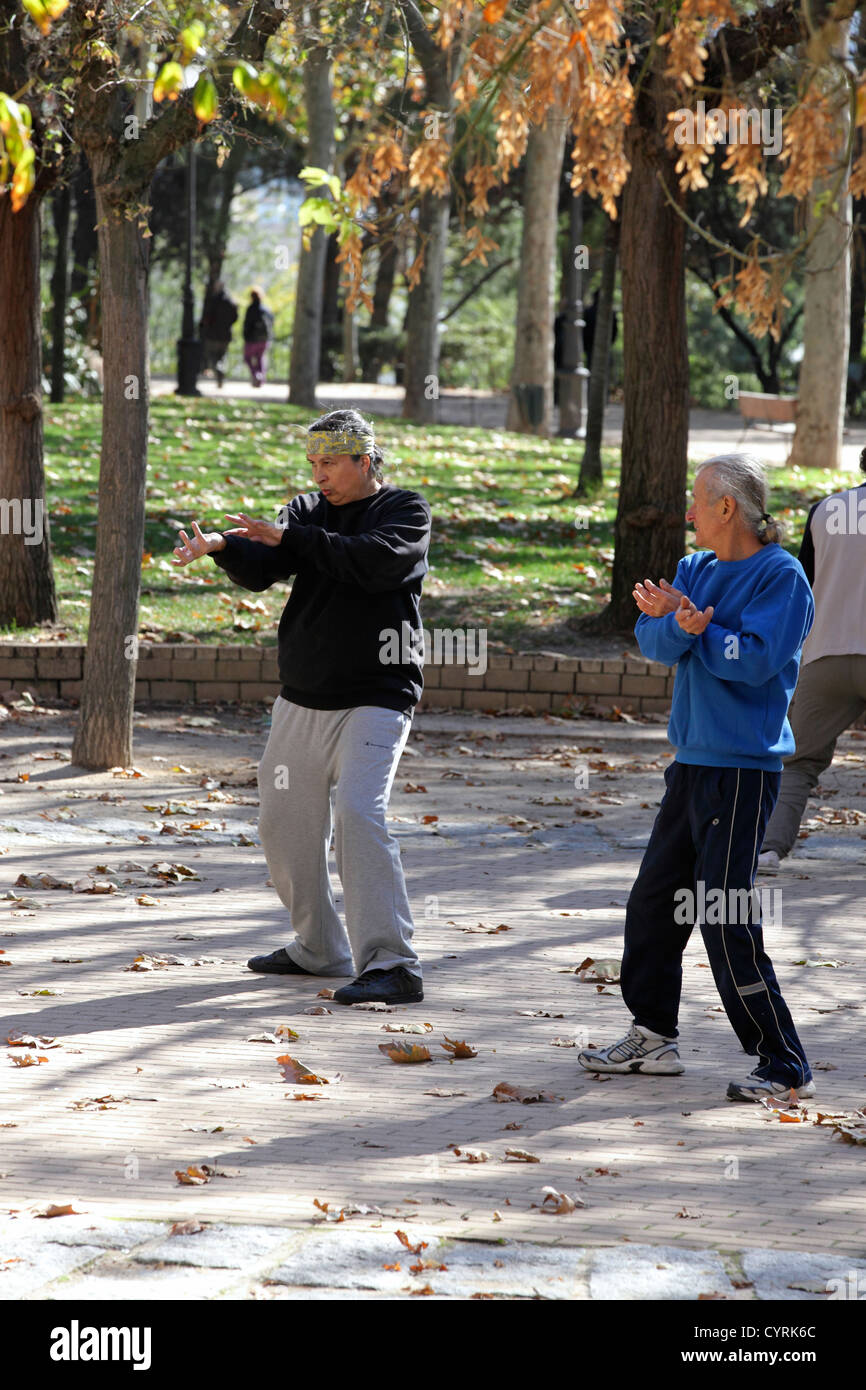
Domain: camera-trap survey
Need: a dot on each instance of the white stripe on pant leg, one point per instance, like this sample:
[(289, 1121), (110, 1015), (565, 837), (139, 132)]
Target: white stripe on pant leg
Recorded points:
[(756, 988)]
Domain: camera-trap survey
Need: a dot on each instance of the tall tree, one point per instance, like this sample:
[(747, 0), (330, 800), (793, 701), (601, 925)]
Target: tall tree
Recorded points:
[(27, 594), (532, 369)]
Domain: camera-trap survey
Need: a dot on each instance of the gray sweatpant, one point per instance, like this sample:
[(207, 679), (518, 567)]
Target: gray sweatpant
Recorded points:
[(325, 770), (830, 694)]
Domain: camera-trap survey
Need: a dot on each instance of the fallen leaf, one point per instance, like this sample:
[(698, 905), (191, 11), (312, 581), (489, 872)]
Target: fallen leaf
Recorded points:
[(439, 1091), (284, 1031), (325, 994), (563, 1042), (685, 1215), (186, 1228), (28, 1060), (52, 1210), (559, 1203), (299, 1073), (505, 1092), (407, 1027), (301, 1095), (192, 1176), (374, 1007), (28, 1040), (413, 1249), (416, 1293), (458, 1049), (471, 1155), (316, 1009), (264, 1038), (405, 1052), (523, 1154), (590, 971)]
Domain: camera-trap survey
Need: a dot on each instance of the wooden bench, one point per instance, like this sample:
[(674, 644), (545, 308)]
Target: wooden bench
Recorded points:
[(758, 407)]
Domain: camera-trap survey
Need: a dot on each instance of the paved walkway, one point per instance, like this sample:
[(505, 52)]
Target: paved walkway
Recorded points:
[(710, 431), (514, 878)]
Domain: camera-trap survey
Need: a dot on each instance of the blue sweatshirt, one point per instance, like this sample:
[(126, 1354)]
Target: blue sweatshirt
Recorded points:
[(734, 680)]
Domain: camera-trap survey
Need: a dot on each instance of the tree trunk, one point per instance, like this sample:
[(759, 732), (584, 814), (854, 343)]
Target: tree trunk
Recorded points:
[(60, 206), (590, 465), (27, 592), (421, 375), (858, 299), (350, 344), (650, 527), (533, 343), (826, 328), (330, 308), (383, 288), (103, 737), (307, 327), (85, 249)]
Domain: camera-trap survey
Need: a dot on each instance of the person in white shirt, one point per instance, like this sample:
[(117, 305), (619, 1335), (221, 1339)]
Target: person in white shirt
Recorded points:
[(831, 691)]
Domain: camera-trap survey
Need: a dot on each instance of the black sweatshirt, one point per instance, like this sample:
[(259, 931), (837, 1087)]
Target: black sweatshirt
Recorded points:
[(358, 571)]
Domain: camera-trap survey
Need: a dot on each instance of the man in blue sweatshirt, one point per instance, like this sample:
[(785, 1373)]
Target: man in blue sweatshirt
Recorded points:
[(733, 622)]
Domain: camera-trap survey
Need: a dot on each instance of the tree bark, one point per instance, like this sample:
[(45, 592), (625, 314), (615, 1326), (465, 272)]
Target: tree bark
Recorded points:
[(650, 526), (27, 595), (421, 377), (307, 326), (384, 285), (590, 465), (533, 342), (103, 737), (826, 325), (60, 207), (84, 249)]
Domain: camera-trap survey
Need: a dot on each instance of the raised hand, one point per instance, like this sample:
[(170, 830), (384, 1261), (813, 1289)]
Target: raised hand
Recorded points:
[(656, 599), (691, 619), (264, 531), (192, 548)]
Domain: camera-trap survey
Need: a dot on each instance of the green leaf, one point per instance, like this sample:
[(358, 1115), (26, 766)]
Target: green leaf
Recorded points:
[(190, 40), (205, 102), (169, 82)]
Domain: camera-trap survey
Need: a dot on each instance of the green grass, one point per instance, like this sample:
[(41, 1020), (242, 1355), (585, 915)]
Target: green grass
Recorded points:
[(506, 553)]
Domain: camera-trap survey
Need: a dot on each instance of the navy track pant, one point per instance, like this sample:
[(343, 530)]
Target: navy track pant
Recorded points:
[(707, 835)]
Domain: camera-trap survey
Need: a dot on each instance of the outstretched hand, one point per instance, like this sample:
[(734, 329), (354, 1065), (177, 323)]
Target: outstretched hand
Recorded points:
[(657, 599), (193, 547), (264, 531)]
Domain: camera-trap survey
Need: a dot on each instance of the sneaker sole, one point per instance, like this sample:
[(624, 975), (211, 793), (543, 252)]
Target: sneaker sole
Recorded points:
[(738, 1092), (644, 1067), (384, 999)]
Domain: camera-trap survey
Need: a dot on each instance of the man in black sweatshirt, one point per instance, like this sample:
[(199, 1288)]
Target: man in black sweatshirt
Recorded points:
[(349, 681)]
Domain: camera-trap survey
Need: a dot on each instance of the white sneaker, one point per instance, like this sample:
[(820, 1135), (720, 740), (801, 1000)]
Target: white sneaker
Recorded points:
[(640, 1050), (756, 1088), (768, 862)]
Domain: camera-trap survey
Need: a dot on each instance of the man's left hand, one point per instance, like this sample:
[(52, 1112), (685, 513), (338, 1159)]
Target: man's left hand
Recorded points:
[(253, 530), (691, 619)]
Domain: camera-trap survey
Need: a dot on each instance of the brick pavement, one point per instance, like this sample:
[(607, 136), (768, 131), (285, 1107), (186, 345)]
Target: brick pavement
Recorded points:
[(684, 1167)]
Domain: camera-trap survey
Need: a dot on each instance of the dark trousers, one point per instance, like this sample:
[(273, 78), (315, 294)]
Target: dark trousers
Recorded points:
[(707, 836)]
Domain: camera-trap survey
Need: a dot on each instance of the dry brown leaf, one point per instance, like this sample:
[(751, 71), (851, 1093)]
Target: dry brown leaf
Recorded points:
[(316, 1009), (28, 1040), (523, 1155), (193, 1176), (421, 1293), (405, 1052), (440, 1091), (471, 1155), (407, 1027), (325, 994), (413, 1249), (28, 1060), (299, 1073), (527, 1096), (52, 1210), (302, 1095), (186, 1228), (458, 1049), (559, 1203), (284, 1031)]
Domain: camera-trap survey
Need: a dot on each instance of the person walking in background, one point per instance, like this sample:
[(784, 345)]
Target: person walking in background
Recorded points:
[(258, 331), (733, 622), (831, 691), (357, 548), (218, 315)]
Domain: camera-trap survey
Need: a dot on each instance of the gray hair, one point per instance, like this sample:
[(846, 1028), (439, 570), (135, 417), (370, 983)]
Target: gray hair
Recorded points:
[(742, 477)]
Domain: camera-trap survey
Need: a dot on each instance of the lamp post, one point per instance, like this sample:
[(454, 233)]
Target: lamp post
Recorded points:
[(188, 344), (573, 374)]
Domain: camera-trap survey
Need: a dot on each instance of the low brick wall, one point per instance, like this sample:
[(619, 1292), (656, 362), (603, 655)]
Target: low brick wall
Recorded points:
[(189, 674)]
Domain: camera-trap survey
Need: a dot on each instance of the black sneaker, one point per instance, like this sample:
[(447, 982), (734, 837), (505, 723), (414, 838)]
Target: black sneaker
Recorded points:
[(395, 986), (277, 963)]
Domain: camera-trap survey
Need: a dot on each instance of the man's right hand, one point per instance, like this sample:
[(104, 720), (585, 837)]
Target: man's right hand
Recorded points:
[(197, 545), (657, 599)]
